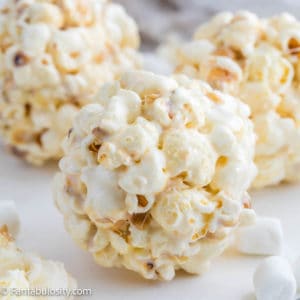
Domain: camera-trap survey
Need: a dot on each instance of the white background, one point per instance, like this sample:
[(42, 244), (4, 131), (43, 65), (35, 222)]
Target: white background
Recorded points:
[(42, 231)]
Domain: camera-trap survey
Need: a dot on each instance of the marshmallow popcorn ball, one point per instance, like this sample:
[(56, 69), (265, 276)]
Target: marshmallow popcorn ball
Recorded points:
[(155, 174), (54, 55), (257, 61), (21, 271)]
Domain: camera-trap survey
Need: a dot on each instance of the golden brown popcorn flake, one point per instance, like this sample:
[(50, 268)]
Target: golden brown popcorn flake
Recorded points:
[(222, 161), (182, 259), (5, 237), (150, 98), (101, 158), (229, 52), (198, 235), (99, 58), (27, 109), (74, 54), (207, 218), (179, 69), (39, 135), (121, 228), (190, 125), (141, 220), (75, 187), (214, 97), (283, 112), (247, 205), (215, 236), (142, 201), (294, 46), (209, 189), (20, 136), (219, 203), (94, 147), (220, 74)]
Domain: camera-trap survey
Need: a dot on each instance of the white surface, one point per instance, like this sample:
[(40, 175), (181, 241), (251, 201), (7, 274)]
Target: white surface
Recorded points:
[(42, 231)]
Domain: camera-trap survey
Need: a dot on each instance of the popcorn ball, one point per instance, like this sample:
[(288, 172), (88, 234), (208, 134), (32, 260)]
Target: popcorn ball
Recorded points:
[(256, 60), (155, 174), (54, 55), (21, 272)]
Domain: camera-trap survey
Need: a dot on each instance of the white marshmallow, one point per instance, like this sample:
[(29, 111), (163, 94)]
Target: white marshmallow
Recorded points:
[(274, 280), (296, 268), (264, 237), (9, 216)]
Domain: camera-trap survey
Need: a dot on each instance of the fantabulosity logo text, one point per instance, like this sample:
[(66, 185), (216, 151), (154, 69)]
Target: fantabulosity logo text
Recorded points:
[(45, 292)]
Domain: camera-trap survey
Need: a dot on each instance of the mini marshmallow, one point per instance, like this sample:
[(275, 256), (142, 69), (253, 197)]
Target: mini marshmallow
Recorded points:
[(9, 216), (263, 237), (274, 280), (296, 268)]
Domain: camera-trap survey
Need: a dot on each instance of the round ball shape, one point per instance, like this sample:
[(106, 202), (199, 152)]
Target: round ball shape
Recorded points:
[(155, 174), (54, 56), (257, 61)]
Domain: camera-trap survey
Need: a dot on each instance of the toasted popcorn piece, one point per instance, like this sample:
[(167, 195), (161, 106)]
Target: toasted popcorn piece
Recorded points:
[(144, 180), (257, 61), (274, 280), (263, 237), (20, 270), (9, 216), (54, 56)]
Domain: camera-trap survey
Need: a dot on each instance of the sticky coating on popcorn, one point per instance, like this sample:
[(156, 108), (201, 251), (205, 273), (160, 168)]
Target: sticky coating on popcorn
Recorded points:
[(54, 55), (256, 60), (155, 174), (20, 271)]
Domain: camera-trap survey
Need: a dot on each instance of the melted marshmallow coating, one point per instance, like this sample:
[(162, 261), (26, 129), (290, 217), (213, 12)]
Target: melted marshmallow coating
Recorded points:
[(256, 60), (54, 55), (25, 271), (155, 174)]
